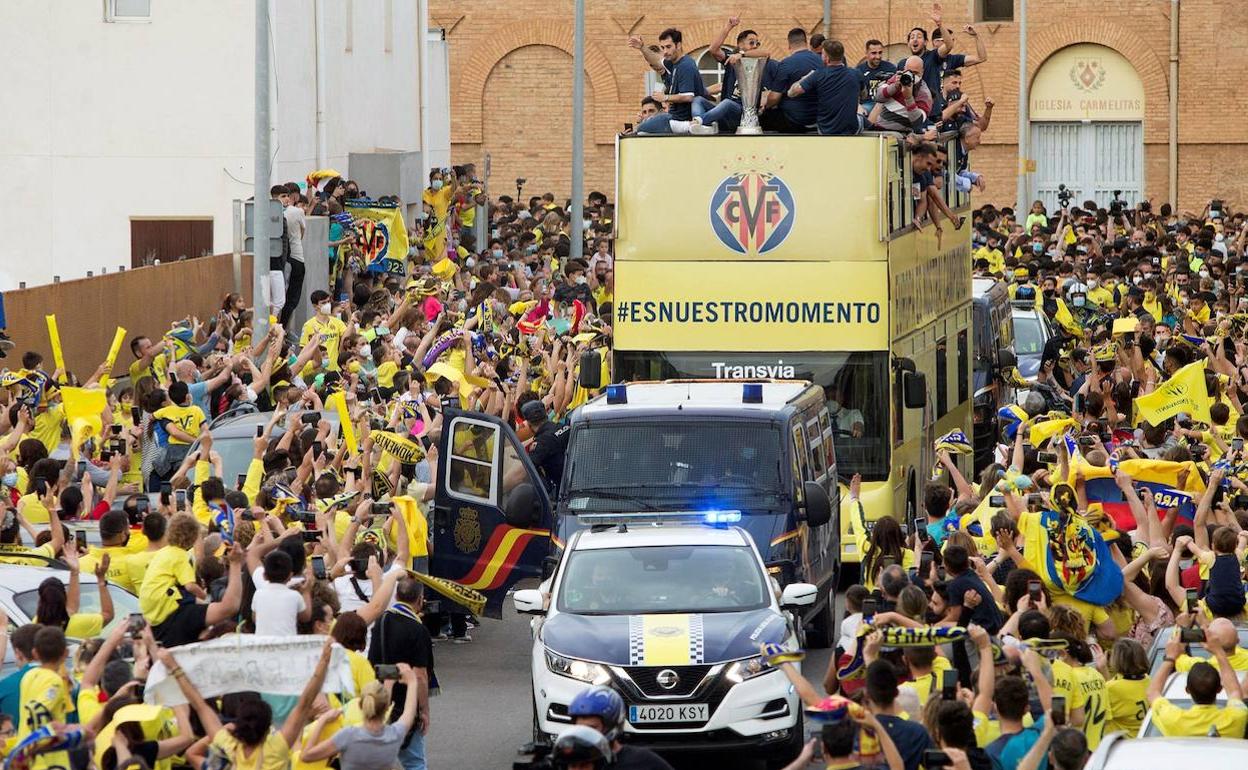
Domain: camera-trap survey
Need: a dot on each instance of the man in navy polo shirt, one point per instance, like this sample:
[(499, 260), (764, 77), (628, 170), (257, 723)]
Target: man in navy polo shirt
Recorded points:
[(792, 115), (938, 59), (683, 92), (874, 70), (836, 87)]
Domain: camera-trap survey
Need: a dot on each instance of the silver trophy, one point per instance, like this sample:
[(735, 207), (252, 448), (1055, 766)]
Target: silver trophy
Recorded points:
[(750, 84)]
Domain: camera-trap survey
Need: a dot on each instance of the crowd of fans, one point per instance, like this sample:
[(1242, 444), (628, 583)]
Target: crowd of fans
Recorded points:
[(310, 537)]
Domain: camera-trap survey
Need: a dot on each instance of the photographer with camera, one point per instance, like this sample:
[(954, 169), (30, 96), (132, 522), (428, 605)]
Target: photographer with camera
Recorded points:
[(903, 101)]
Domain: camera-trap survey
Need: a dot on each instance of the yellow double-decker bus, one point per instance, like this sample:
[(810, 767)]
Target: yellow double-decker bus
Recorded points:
[(794, 257)]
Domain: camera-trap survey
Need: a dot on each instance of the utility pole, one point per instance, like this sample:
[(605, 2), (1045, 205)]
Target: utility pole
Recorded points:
[(578, 132), (260, 249), (1024, 148), (827, 18)]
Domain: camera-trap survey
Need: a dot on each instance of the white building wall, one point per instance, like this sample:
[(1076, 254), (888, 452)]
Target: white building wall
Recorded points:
[(108, 121)]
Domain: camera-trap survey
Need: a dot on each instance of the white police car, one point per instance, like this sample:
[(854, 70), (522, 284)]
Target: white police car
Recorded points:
[(669, 611)]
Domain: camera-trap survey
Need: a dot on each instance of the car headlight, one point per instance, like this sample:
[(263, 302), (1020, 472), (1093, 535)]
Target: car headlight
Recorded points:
[(747, 668), (577, 669)]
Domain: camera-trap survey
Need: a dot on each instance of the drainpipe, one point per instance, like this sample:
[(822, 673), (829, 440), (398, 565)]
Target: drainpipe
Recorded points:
[(1174, 105), (322, 137)]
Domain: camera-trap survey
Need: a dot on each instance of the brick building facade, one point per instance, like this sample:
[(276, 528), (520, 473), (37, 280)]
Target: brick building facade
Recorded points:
[(511, 82)]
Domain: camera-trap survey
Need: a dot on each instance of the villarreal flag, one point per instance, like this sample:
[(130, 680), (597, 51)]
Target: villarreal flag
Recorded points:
[(1173, 484), (381, 235), (1071, 556)]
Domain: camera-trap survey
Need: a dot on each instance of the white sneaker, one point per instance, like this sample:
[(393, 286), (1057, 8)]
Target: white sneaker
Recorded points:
[(679, 126), (696, 127)]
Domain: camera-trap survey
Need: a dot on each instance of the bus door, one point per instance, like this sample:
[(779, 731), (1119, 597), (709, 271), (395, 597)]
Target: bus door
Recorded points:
[(492, 515)]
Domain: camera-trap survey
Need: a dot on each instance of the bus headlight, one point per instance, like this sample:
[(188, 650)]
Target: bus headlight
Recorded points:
[(574, 668)]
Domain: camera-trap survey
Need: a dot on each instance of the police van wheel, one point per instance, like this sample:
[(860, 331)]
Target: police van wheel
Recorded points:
[(822, 632)]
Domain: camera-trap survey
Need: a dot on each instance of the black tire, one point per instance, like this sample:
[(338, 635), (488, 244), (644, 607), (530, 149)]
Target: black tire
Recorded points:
[(821, 633), (783, 755)]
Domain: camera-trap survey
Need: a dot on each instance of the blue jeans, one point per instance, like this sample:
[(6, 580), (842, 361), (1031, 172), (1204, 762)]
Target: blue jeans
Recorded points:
[(413, 757), (661, 123), (726, 114)]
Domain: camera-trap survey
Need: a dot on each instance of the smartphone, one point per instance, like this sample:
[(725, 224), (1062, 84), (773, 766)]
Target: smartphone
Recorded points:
[(1192, 635), (1034, 590), (135, 624), (310, 418), (925, 563), (869, 607), (887, 562), (387, 671), (1080, 403), (318, 449), (259, 431), (628, 127), (381, 509), (1237, 444), (166, 491), (996, 501), (80, 538), (106, 454), (1046, 458), (179, 499), (1087, 441), (115, 428), (1035, 500), (1058, 710), (949, 685), (1193, 598), (318, 568), (311, 535), (375, 395), (935, 758), (136, 414), (240, 481)]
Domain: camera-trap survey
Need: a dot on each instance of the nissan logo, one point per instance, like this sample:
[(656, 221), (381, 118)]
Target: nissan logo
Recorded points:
[(667, 679)]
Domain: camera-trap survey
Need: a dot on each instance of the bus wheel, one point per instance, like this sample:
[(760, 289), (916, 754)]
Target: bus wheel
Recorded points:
[(822, 632)]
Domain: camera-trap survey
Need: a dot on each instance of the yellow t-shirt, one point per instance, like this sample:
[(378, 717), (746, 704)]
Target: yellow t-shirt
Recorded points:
[(48, 425), (88, 704), (1229, 720), (1065, 684), (118, 560), (273, 755), (45, 699), (361, 673), (156, 369), (1096, 710), (26, 556), (385, 374), (435, 231), (84, 625), (159, 594), (929, 684), (33, 509), (1092, 614), (1238, 659), (188, 418), (332, 328), (136, 567), (994, 257), (1127, 704)]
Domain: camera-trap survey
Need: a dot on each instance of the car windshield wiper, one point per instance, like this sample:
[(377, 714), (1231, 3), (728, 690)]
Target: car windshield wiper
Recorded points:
[(613, 493)]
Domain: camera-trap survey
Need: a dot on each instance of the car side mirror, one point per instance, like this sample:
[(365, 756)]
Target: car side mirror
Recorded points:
[(914, 387), (818, 504), (521, 506), (529, 601), (794, 596)]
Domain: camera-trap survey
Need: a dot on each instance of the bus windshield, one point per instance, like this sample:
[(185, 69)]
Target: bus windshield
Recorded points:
[(857, 386), (618, 465)]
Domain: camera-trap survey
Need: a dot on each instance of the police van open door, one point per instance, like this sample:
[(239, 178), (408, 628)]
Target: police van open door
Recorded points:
[(492, 516)]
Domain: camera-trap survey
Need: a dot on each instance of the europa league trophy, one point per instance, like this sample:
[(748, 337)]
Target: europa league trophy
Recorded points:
[(750, 84)]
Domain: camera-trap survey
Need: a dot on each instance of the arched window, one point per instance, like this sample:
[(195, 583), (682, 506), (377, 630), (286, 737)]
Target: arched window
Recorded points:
[(710, 68)]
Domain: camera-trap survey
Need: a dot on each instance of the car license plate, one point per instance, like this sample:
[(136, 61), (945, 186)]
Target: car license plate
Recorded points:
[(677, 712)]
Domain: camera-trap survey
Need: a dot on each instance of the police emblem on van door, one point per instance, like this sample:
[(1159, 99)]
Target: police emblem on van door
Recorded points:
[(468, 530), (752, 211)]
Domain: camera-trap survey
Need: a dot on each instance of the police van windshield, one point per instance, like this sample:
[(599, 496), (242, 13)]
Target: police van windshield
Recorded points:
[(619, 465), (655, 579)]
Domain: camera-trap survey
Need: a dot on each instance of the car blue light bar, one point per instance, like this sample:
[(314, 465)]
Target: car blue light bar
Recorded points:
[(660, 517), (722, 517), (752, 393), (617, 394)]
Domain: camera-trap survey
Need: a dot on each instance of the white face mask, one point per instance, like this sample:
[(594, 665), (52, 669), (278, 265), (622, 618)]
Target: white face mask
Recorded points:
[(581, 279), (324, 308), (1203, 273)]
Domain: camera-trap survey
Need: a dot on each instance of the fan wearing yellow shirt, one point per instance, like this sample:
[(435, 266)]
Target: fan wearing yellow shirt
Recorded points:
[(179, 419), (252, 743), (437, 199), (149, 360), (927, 670), (118, 546), (1125, 692), (167, 596), (991, 253), (137, 564), (45, 694), (330, 327), (1221, 633), (1204, 717), (58, 604)]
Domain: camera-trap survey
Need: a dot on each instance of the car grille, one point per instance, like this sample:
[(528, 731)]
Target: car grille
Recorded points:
[(646, 679), (712, 694)]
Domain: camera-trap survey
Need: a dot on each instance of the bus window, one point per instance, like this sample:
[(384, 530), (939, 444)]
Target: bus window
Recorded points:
[(942, 379), (964, 368), (829, 445), (800, 473)]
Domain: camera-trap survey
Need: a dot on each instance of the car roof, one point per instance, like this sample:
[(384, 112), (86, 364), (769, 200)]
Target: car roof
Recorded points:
[(20, 578), (1176, 689), (642, 535), (1149, 753), (245, 424), (700, 394), (981, 286)]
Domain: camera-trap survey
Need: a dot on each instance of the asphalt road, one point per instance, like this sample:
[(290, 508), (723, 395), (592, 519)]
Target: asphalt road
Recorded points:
[(483, 715)]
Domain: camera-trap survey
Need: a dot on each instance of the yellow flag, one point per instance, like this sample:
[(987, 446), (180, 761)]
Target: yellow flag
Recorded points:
[(83, 407), (471, 598), (1043, 431), (338, 402), (118, 338), (1184, 392)]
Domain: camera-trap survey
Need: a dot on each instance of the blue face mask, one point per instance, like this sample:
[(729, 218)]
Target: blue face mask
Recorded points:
[(1037, 248), (496, 253), (436, 184), (9, 479)]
